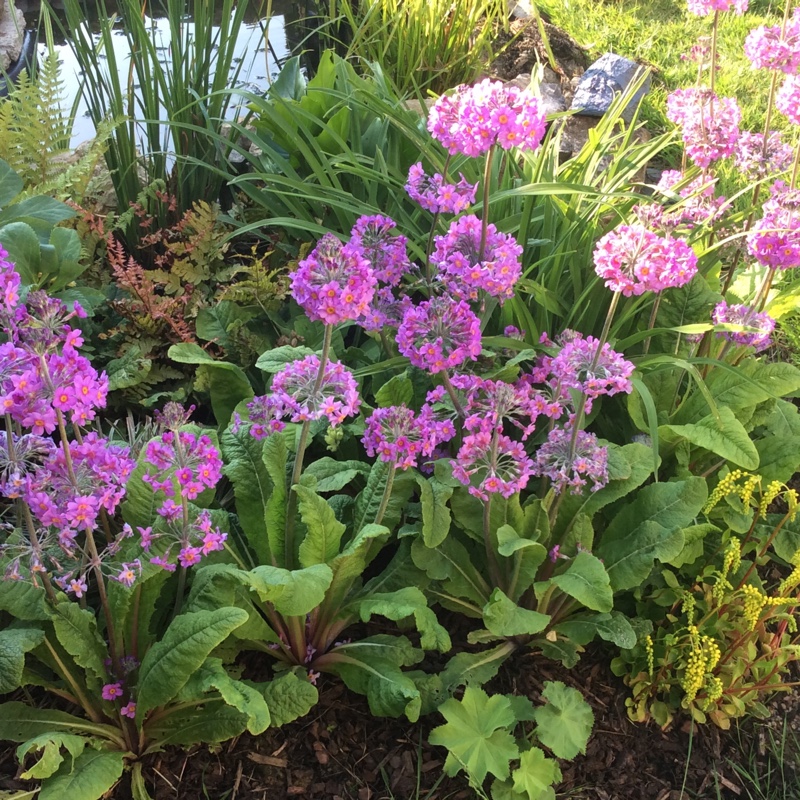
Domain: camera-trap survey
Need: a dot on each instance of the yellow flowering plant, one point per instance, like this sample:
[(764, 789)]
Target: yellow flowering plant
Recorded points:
[(719, 629)]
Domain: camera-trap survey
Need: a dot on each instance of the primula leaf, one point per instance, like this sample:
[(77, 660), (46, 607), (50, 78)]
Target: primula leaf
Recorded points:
[(474, 668), (289, 697), (277, 358), (352, 561), (435, 512), (779, 458), (20, 722), (476, 736), (587, 581), (214, 721), (649, 528), (76, 629), (14, 643), (369, 500), (450, 563), (275, 457), (91, 775), (613, 627), (724, 436), (292, 592), (51, 757), (24, 601), (184, 646), (397, 391), (332, 475), (408, 602), (503, 617), (565, 723), (536, 775), (324, 531)]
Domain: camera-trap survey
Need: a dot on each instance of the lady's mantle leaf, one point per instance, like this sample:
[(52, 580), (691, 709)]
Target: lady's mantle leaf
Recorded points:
[(565, 723)]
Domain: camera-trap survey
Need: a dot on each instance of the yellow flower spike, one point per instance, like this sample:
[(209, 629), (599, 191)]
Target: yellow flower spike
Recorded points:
[(687, 607), (648, 646), (792, 580), (772, 491), (749, 486), (753, 604), (790, 495)]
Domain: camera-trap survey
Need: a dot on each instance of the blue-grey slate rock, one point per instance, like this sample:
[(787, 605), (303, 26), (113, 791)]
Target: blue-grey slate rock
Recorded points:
[(604, 79)]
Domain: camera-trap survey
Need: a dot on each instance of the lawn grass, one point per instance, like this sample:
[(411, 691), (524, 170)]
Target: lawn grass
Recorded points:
[(661, 33)]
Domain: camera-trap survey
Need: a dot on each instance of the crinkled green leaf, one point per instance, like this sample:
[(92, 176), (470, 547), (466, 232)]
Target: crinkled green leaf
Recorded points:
[(275, 456), (277, 358), (14, 644), (214, 721), (476, 734), (403, 603), (503, 617), (323, 531), (586, 580), (183, 648), (397, 391), (474, 668), (435, 512), (565, 722), (292, 592), (289, 697), (47, 746), (611, 627), (24, 601), (350, 564), (20, 722), (89, 777), (76, 629), (369, 499), (332, 475)]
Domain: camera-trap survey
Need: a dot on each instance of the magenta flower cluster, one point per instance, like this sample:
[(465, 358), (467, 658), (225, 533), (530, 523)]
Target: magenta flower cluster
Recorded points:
[(437, 196), (705, 7), (335, 282), (634, 260), (571, 467), (698, 204), (475, 118), (383, 249), (774, 240), (439, 334), (758, 326), (769, 47), (757, 161), (709, 124), (787, 98), (187, 541), (465, 270)]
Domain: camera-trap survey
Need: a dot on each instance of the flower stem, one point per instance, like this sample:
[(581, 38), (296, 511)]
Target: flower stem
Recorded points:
[(291, 506), (453, 396), (712, 78), (487, 174), (491, 556), (387, 494), (651, 324)]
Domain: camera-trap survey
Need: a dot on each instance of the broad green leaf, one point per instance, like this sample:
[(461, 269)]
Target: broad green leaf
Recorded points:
[(22, 245), (139, 509), (20, 722), (649, 528), (10, 183), (536, 775), (289, 697), (474, 668), (91, 775), (779, 458), (369, 500), (14, 643), (565, 722), (24, 601), (503, 617), (397, 391), (476, 734), (403, 603), (451, 565), (693, 538), (128, 370), (182, 649), (275, 457), (350, 564), (276, 359), (332, 475), (252, 486), (323, 531), (435, 513), (293, 592), (724, 436), (212, 722), (587, 581), (47, 746), (612, 627), (76, 629)]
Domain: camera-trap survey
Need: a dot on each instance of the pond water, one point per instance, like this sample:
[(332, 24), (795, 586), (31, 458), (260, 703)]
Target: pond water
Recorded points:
[(261, 48)]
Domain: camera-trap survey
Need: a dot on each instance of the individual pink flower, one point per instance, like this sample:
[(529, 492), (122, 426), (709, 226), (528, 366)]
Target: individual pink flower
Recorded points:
[(491, 463), (336, 397), (474, 118), (633, 260), (334, 283), (466, 271), (382, 247), (709, 124), (111, 691), (439, 334), (556, 460), (758, 325), (128, 710), (128, 573), (434, 195)]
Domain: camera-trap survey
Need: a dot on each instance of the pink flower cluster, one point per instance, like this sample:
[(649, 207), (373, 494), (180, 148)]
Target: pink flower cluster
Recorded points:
[(490, 404), (301, 395), (771, 48), (335, 283), (758, 325), (705, 7), (434, 195), (774, 240), (709, 124), (787, 98), (192, 541), (556, 460), (439, 334), (475, 118), (756, 161), (384, 250), (634, 260), (400, 437), (492, 463), (466, 271)]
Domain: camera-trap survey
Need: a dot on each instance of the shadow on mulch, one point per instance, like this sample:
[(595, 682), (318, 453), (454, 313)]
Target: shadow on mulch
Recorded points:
[(341, 752)]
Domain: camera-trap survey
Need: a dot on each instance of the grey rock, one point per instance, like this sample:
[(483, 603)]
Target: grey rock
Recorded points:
[(12, 32), (553, 101), (604, 79)]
